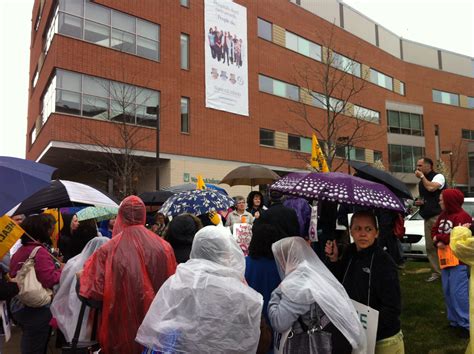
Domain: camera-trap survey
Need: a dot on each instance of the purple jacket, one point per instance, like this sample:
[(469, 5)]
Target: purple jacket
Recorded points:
[(46, 272)]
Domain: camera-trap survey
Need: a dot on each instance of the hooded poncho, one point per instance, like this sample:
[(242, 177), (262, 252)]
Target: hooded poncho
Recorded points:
[(125, 274), (206, 307)]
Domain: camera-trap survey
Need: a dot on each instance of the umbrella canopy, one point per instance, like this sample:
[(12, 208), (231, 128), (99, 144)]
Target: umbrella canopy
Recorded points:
[(155, 198), (191, 186), (98, 213), (366, 171), (20, 178), (251, 175), (196, 202), (338, 187), (62, 193)]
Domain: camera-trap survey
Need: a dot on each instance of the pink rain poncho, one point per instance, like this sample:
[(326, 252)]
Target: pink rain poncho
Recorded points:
[(125, 274)]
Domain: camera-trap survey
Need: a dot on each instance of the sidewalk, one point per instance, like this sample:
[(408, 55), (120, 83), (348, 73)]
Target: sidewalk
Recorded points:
[(13, 345)]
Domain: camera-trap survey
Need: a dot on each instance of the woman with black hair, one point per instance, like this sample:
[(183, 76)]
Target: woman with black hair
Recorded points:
[(255, 203), (71, 223), (34, 321)]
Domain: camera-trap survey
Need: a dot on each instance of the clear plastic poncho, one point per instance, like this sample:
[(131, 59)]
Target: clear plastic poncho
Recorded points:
[(206, 307), (462, 245), (306, 280), (125, 274), (66, 304)]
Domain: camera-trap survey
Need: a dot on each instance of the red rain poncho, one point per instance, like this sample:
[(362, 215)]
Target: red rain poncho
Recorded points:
[(125, 274)]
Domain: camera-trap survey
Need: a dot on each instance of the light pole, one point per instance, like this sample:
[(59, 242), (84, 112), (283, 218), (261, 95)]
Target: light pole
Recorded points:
[(345, 140), (156, 110), (450, 153)]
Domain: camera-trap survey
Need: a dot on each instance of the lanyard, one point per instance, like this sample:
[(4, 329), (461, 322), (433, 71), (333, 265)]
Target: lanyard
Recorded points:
[(370, 275)]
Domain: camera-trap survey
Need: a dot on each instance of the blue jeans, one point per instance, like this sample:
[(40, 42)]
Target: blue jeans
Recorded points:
[(34, 323), (455, 282)]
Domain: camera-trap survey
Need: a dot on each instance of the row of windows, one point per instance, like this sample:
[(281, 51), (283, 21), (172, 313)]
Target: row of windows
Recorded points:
[(403, 158), (405, 123), (452, 99), (292, 92), (303, 144), (467, 134), (98, 24), (313, 50)]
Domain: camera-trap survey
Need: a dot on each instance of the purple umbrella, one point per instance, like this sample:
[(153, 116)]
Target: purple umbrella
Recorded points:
[(338, 187)]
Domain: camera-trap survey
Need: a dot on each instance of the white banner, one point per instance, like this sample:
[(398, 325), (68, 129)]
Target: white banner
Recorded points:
[(369, 318), (225, 52), (313, 224), (243, 234)]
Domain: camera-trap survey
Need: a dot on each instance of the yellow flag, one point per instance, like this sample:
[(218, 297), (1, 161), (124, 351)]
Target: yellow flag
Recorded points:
[(57, 227), (200, 183), (317, 157), (10, 232)]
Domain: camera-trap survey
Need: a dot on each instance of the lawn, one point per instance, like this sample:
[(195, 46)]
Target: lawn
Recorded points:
[(424, 323)]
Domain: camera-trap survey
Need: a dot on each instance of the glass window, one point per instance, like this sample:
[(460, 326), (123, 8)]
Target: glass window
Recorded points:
[(306, 144), (315, 51), (402, 88), (405, 123), (184, 51), (446, 98), (97, 13), (294, 142), (33, 135), (95, 86), (345, 64), (123, 21), (70, 25), (291, 41), (470, 102), (366, 114), (293, 92), (147, 48), (279, 88), (95, 107), (147, 97), (122, 111), (402, 158), (184, 115), (184, 3), (75, 7), (264, 29), (122, 92), (147, 29), (267, 137), (378, 156), (381, 79), (303, 46), (466, 134), (96, 33), (265, 84), (123, 41), (68, 102), (144, 118), (68, 80)]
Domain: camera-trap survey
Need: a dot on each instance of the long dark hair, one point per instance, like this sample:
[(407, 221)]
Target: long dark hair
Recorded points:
[(38, 227), (263, 236)]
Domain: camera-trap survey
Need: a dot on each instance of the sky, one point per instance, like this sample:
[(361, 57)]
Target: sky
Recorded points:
[(446, 24)]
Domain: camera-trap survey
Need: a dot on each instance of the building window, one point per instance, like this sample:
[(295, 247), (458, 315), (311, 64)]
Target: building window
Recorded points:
[(33, 135), (302, 46), (378, 156), (381, 79), (402, 88), (445, 98), (103, 26), (294, 142), (35, 78), (264, 29), (366, 114), (267, 137), (278, 88), (405, 123), (467, 134), (184, 115), (402, 158), (184, 3), (345, 64), (470, 102), (93, 97), (184, 51)]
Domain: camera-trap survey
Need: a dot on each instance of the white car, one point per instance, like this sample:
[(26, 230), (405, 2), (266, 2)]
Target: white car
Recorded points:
[(413, 243)]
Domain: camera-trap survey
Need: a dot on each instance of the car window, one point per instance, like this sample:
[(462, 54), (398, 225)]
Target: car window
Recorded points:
[(469, 207)]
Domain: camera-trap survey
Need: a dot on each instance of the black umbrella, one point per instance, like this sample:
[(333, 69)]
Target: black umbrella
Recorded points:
[(155, 198), (366, 171)]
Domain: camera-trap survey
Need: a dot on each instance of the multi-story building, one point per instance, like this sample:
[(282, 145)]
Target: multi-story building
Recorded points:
[(95, 65)]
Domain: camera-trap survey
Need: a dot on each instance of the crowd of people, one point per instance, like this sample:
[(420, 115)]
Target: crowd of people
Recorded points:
[(184, 285)]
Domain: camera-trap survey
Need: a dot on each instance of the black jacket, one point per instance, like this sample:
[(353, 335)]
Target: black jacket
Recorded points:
[(385, 294), (282, 217)]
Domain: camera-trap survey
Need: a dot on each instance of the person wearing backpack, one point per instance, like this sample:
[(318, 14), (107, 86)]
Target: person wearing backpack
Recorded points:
[(34, 321)]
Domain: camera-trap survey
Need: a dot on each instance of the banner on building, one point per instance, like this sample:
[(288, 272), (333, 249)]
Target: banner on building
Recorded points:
[(225, 51)]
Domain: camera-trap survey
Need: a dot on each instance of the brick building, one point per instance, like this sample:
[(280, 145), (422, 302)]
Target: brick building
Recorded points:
[(96, 64)]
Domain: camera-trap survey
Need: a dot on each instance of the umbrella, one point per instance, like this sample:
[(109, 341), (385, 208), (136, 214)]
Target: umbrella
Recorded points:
[(250, 175), (338, 187), (98, 213), (20, 178), (366, 171), (191, 186), (196, 202), (62, 193), (155, 198)]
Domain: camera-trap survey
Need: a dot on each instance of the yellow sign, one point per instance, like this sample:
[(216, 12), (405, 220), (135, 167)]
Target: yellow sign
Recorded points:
[(447, 258), (200, 183), (57, 227), (317, 157), (10, 232)]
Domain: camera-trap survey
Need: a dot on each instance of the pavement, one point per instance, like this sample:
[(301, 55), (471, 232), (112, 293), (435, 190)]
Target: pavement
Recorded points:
[(13, 345)]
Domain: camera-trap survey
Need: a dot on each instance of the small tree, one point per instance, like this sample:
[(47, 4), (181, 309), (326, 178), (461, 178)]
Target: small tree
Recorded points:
[(340, 82)]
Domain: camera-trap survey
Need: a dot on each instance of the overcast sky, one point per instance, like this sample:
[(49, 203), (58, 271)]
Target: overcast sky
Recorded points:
[(446, 24)]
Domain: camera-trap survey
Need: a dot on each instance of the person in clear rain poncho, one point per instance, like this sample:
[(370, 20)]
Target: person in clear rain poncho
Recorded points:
[(125, 274), (66, 304), (306, 282), (206, 307)]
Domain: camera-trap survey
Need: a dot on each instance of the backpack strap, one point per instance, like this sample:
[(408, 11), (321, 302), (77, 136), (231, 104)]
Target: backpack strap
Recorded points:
[(33, 253)]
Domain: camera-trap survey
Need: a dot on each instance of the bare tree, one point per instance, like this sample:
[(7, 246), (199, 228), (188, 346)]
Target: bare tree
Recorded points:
[(457, 156), (335, 85)]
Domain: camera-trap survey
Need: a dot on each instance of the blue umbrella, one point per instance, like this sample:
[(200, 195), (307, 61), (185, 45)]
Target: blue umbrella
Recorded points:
[(191, 186), (20, 178), (196, 202)]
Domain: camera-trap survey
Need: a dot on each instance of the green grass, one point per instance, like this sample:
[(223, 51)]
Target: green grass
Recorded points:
[(424, 322)]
